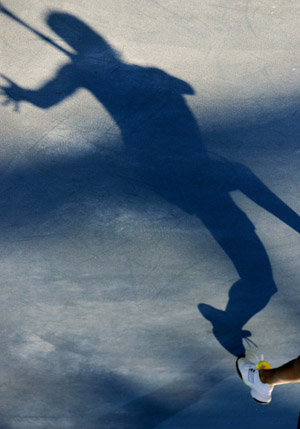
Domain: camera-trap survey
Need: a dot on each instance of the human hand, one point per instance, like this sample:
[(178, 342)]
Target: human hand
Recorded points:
[(12, 92)]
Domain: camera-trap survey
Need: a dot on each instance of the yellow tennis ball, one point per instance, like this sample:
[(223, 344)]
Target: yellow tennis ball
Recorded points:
[(263, 365)]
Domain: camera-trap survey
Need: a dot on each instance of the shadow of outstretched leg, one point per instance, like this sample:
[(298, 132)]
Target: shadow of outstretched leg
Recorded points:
[(226, 329), (252, 292)]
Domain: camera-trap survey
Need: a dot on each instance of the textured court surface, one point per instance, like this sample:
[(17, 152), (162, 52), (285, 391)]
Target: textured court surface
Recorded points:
[(149, 163)]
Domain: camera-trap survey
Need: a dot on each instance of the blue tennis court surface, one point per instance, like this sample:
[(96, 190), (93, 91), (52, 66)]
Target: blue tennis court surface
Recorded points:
[(149, 188)]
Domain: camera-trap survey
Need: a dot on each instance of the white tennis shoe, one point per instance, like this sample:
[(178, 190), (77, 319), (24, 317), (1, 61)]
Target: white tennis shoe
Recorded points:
[(248, 371)]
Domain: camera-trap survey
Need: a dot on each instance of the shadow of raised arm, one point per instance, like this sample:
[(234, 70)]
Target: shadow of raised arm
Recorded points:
[(63, 85)]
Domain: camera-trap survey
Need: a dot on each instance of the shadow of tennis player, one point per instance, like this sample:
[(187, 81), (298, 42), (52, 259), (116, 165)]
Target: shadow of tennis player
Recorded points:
[(163, 148)]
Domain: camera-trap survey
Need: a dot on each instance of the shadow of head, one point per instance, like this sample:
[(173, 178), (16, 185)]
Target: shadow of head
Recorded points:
[(82, 38)]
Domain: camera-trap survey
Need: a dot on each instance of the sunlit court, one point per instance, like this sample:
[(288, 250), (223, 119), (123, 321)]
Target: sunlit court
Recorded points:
[(149, 191)]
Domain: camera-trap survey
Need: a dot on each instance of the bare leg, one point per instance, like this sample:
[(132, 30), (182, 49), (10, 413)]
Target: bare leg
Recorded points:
[(287, 373)]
